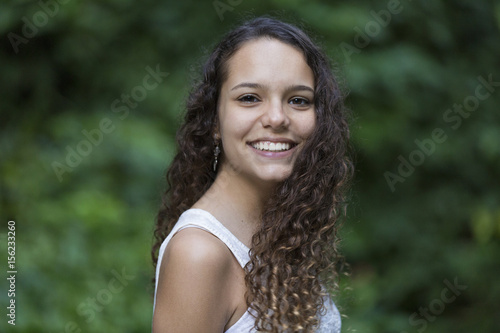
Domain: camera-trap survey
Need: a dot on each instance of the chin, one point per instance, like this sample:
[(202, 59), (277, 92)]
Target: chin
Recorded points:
[(275, 176)]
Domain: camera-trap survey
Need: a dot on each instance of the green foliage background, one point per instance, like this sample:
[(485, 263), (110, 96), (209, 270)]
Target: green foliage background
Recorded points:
[(441, 222)]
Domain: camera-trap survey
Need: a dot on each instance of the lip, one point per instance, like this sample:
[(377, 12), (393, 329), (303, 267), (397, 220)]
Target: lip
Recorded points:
[(274, 154), (286, 140)]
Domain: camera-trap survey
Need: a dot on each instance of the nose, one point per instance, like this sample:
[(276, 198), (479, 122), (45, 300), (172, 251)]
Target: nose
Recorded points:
[(275, 116)]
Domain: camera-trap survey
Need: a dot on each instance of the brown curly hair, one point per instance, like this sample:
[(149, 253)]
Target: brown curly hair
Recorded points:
[(293, 255)]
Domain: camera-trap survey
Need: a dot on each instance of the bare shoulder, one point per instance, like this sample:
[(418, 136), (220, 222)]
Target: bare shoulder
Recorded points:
[(193, 293), (197, 247)]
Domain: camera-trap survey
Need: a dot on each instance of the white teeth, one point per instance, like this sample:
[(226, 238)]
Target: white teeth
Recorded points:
[(271, 146)]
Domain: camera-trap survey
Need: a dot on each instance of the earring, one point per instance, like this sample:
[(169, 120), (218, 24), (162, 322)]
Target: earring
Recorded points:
[(216, 155)]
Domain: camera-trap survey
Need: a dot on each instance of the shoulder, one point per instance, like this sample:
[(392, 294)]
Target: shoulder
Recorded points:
[(198, 248), (193, 291)]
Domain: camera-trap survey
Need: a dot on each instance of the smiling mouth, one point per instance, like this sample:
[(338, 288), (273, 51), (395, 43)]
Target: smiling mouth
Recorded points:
[(273, 146)]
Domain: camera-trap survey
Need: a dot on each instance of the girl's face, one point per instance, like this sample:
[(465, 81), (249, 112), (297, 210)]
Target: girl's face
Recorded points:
[(266, 110)]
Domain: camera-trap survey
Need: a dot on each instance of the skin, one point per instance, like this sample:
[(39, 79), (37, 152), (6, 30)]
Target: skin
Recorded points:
[(268, 95)]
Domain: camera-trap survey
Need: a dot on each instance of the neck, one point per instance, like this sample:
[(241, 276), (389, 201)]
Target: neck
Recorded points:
[(236, 201)]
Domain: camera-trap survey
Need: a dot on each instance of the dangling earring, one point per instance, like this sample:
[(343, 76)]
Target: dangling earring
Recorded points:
[(216, 155)]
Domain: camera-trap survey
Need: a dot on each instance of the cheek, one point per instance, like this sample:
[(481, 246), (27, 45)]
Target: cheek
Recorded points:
[(233, 133), (235, 125), (229, 128), (307, 124)]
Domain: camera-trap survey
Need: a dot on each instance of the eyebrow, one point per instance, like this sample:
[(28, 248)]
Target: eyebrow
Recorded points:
[(297, 87)]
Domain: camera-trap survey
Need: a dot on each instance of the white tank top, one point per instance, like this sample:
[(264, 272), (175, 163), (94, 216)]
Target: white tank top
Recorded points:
[(198, 218)]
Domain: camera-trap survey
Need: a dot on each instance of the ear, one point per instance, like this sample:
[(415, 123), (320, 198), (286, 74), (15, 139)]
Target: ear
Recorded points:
[(216, 131)]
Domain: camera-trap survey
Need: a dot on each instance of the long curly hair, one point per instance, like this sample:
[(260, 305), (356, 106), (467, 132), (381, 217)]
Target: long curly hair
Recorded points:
[(294, 254)]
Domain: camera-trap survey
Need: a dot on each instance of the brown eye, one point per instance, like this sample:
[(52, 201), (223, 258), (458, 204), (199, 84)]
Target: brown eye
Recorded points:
[(299, 101), (248, 99)]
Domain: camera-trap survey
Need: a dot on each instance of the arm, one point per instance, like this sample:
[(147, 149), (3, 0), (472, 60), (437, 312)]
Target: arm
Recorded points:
[(193, 294)]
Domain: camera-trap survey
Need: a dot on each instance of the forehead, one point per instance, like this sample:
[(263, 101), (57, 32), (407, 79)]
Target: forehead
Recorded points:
[(268, 61)]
